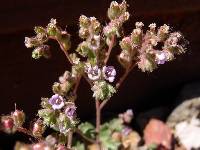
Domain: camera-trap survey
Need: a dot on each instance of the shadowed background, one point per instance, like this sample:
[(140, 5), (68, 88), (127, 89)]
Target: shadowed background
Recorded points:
[(24, 80)]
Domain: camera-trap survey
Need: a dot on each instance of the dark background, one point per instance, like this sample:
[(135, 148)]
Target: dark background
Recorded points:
[(24, 80)]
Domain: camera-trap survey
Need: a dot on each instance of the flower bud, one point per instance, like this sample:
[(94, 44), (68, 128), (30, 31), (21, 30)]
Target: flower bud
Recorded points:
[(139, 24), (40, 51), (147, 63), (51, 28), (95, 25), (163, 32), (83, 33), (38, 128), (125, 44), (65, 40), (83, 49), (114, 10), (7, 123), (18, 117), (31, 42), (125, 58), (152, 27), (84, 21), (136, 36), (39, 30)]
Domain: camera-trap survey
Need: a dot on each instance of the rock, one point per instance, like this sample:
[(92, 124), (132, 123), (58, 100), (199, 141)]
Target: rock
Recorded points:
[(185, 117), (188, 133), (184, 112), (156, 132), (188, 105)]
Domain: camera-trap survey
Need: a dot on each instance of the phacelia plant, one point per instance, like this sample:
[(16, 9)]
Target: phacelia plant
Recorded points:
[(90, 61)]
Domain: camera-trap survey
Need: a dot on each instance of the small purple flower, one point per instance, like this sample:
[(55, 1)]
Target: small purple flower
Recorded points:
[(94, 73), (126, 131), (109, 73), (56, 101), (70, 111), (161, 57)]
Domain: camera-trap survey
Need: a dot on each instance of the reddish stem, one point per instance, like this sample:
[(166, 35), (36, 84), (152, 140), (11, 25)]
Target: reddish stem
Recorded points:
[(119, 83), (109, 49), (27, 132), (98, 122)]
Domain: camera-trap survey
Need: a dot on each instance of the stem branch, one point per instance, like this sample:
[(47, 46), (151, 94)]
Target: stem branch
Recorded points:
[(109, 49), (119, 83), (27, 132)]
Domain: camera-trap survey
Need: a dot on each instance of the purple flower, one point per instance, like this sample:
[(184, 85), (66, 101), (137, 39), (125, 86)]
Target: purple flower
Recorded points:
[(56, 101), (94, 73), (126, 131), (161, 57), (109, 73), (70, 111)]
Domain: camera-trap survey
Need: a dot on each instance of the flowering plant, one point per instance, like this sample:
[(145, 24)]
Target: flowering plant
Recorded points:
[(90, 61)]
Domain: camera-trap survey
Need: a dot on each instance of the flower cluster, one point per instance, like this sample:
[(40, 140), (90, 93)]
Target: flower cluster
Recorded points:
[(90, 31), (118, 14), (64, 85), (58, 114), (52, 31), (143, 47), (59, 111)]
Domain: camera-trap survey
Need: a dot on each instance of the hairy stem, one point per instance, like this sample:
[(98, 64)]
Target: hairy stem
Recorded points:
[(27, 132), (109, 49), (98, 122), (69, 139), (119, 83), (68, 58)]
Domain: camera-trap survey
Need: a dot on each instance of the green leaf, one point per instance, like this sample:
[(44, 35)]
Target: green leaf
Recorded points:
[(102, 90), (39, 30), (152, 147), (116, 125), (48, 116), (85, 51), (87, 129), (64, 123), (105, 137), (78, 146), (45, 104)]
